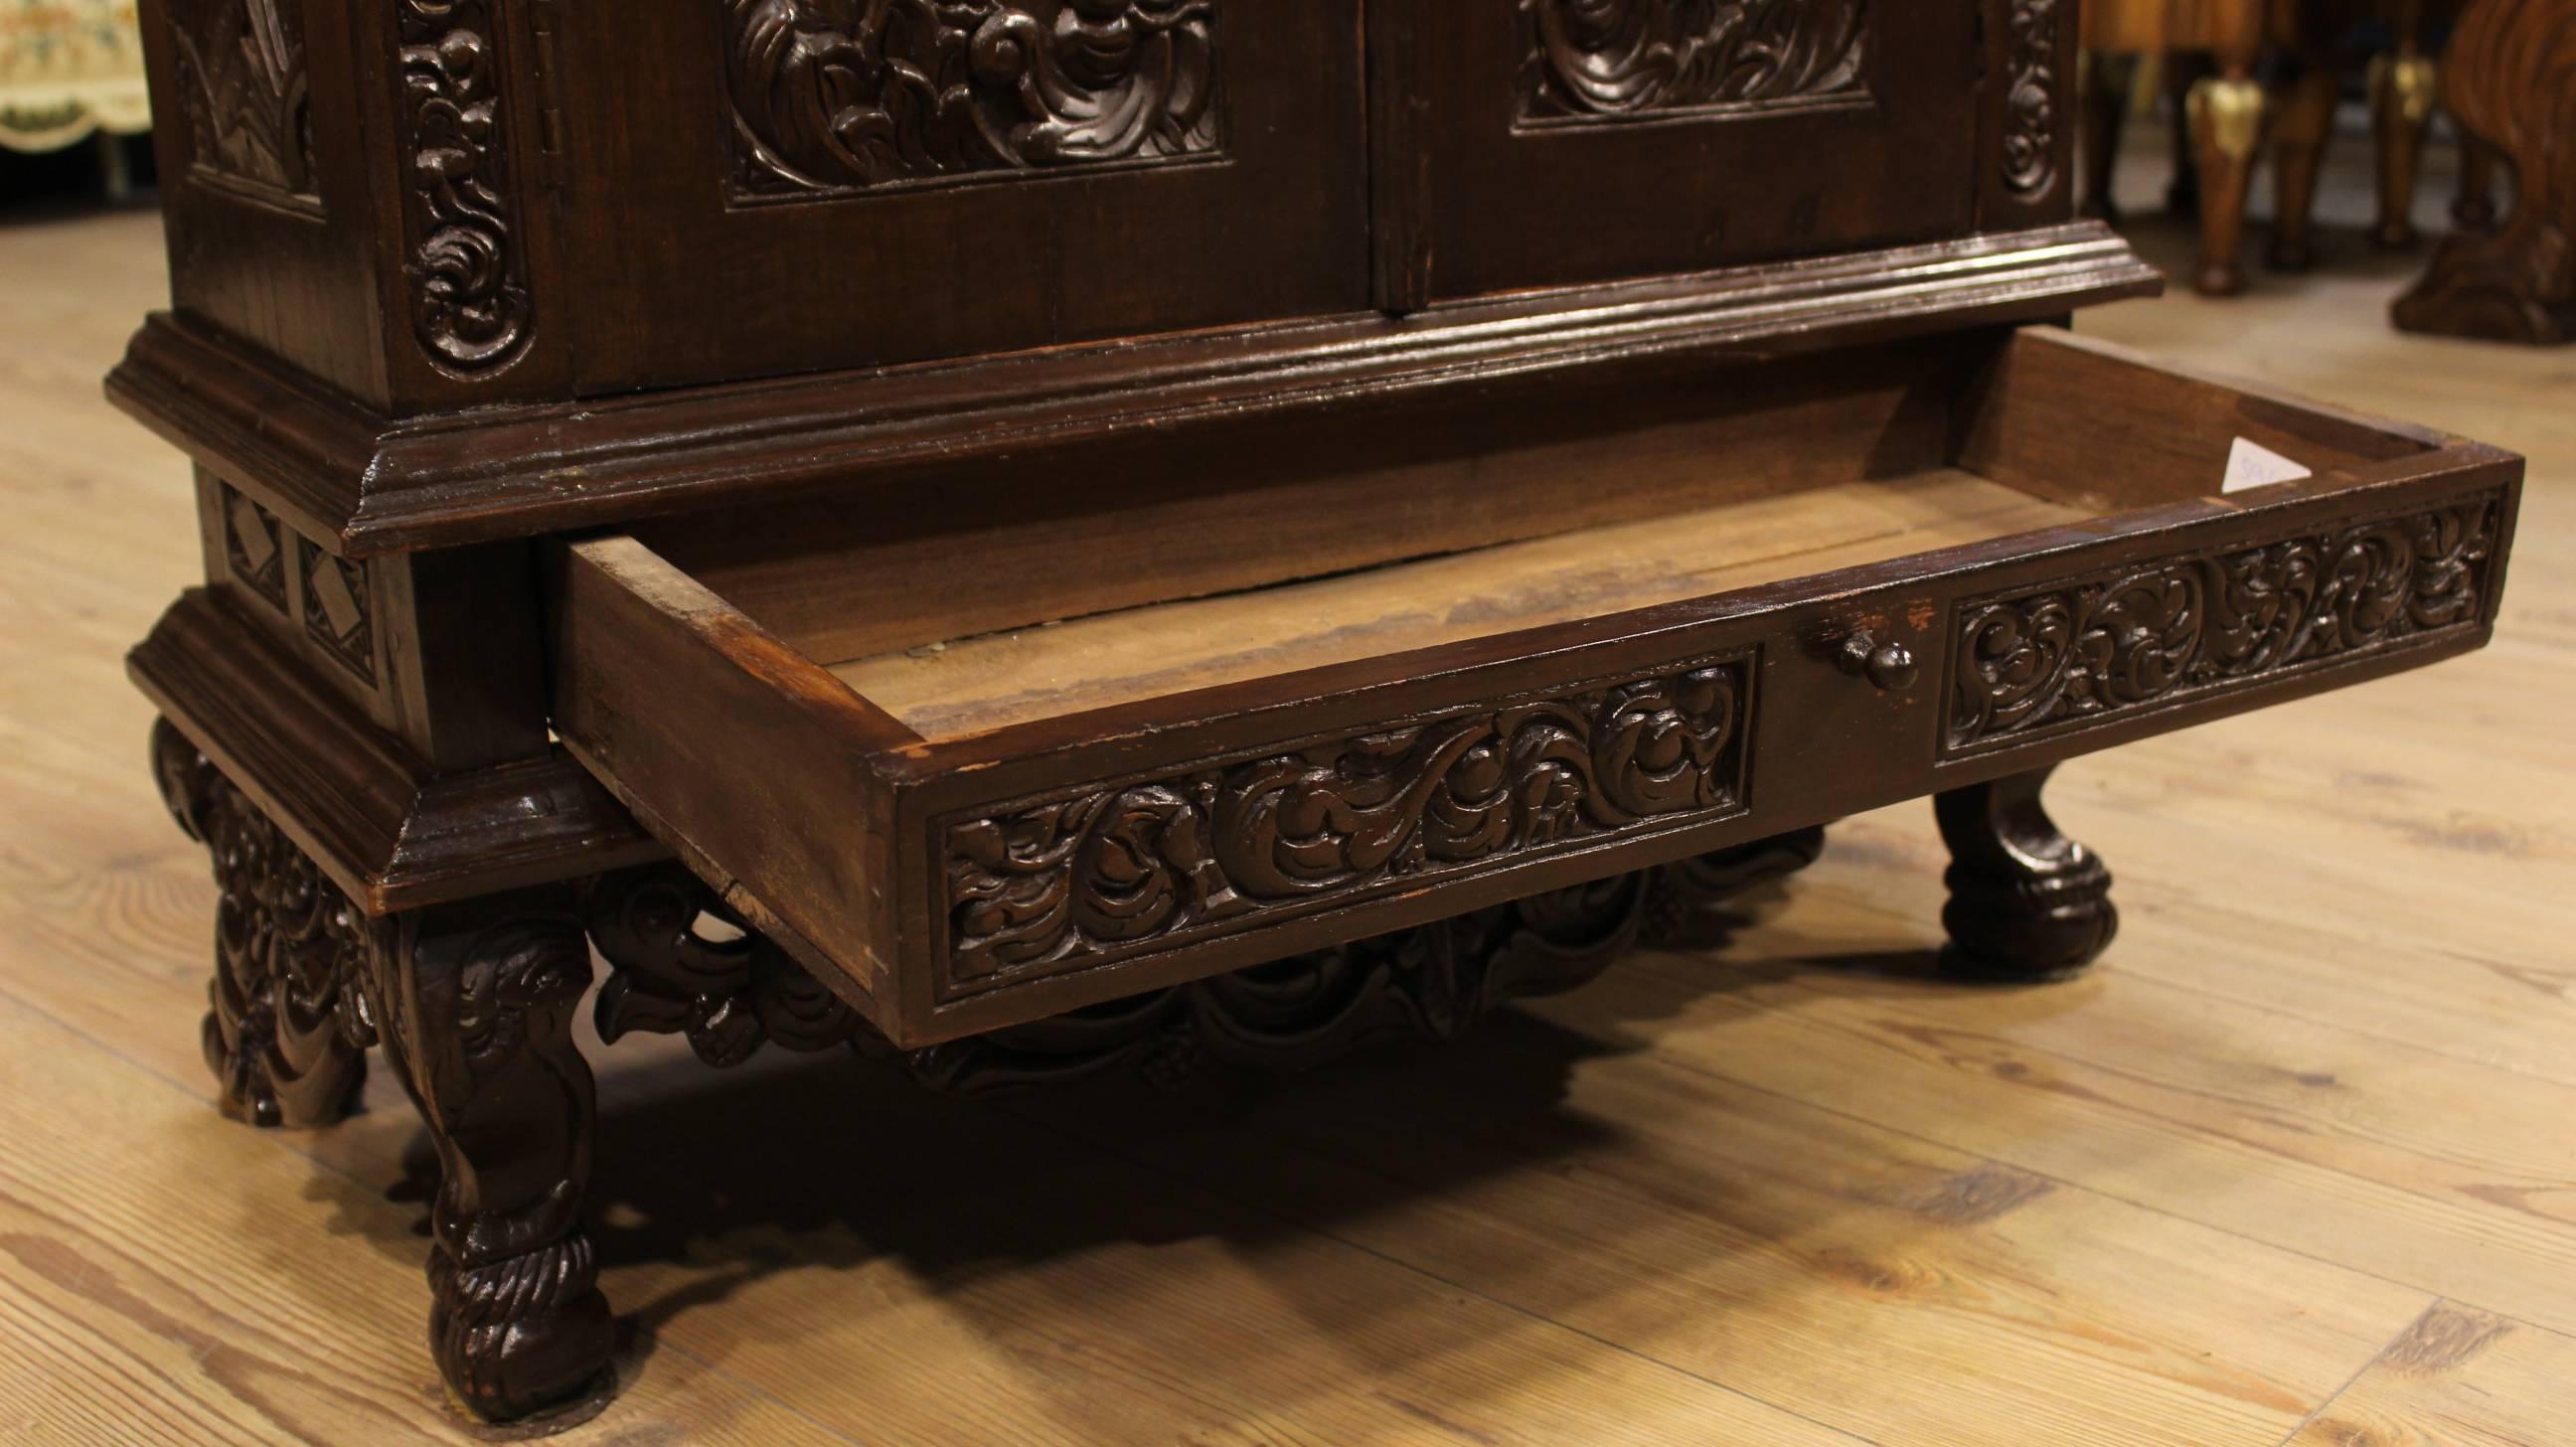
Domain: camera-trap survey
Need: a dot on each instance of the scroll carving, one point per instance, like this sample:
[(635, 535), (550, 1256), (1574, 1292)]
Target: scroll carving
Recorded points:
[(2036, 662), (241, 79), (468, 263), (1609, 58), (2030, 101), (1326, 821), (289, 1025), (832, 97), (725, 991)]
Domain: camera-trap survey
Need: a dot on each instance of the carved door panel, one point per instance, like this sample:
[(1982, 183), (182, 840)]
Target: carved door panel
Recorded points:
[(1550, 142), (772, 186)]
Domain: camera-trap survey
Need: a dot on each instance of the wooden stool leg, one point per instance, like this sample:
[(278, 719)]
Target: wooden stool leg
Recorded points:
[(285, 1035), (2402, 88), (2103, 79), (2226, 117), (2026, 902), (476, 1003), (2473, 209), (2299, 136)]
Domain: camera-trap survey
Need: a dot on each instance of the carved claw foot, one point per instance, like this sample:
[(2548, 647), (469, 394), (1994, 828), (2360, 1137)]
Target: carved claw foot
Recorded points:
[(288, 1029), (2026, 902), (478, 1001)]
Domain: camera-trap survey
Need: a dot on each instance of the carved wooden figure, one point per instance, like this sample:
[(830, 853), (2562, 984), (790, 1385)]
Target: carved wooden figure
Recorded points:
[(1036, 537)]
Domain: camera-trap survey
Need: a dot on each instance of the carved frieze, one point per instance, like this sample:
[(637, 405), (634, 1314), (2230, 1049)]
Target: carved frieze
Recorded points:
[(1079, 876), (2060, 657), (831, 97), (467, 263), (2030, 101), (339, 610), (1612, 58), (241, 79)]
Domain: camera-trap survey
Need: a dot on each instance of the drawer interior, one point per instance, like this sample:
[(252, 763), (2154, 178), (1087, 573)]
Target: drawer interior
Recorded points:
[(960, 607)]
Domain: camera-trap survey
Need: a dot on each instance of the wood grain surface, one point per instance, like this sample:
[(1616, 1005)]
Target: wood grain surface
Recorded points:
[(2291, 1168)]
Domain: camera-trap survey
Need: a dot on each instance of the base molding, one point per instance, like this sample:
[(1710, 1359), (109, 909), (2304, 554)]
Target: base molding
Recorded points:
[(377, 823)]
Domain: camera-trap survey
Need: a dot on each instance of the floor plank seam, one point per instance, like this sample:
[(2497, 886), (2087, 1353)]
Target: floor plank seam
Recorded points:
[(2361, 1371), (1515, 1308)]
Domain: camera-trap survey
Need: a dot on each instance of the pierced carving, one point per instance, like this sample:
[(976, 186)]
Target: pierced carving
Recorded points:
[(240, 70), (830, 97), (1082, 876), (255, 546), (468, 270), (289, 1027), (1611, 58), (2063, 656), (339, 609), (723, 988), (2030, 101), (685, 964)]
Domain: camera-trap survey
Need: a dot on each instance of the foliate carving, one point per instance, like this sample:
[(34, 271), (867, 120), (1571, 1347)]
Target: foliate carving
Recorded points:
[(339, 609), (290, 1025), (1076, 877), (830, 96), (467, 264), (255, 547), (1607, 58), (682, 963), (240, 72), (2059, 657), (1293, 1014), (2030, 100)]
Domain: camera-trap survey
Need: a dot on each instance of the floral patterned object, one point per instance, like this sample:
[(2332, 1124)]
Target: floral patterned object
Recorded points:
[(69, 68)]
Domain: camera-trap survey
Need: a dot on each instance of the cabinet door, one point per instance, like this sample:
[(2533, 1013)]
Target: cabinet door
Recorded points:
[(1551, 142), (756, 187)]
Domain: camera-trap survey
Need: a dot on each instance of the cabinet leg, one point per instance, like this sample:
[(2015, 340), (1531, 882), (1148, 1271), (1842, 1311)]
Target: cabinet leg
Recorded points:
[(476, 1003), (286, 1032), (2402, 88), (2103, 78), (2298, 147), (2226, 118), (2026, 902)]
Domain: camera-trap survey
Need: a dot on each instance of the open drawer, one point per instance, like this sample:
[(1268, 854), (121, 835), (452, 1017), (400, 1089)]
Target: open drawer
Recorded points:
[(1355, 689)]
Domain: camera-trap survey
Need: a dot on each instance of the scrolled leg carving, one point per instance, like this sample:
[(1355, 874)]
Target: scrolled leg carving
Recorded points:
[(476, 1009), (2026, 902), (288, 1030), (681, 963)]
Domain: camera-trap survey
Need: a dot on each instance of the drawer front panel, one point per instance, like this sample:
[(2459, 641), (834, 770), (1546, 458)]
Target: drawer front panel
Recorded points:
[(1084, 877), (2118, 643)]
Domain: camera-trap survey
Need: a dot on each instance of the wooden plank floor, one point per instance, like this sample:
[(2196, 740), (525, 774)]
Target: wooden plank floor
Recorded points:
[(2296, 1168)]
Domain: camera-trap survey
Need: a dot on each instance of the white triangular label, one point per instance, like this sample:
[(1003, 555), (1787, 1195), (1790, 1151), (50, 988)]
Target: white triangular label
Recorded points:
[(2251, 464)]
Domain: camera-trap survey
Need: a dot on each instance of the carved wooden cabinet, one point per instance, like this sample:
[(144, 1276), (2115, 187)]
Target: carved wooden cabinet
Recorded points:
[(1033, 536)]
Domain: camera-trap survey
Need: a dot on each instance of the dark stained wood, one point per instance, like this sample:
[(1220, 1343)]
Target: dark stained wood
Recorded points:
[(380, 825), (2510, 78), (611, 371), (378, 486)]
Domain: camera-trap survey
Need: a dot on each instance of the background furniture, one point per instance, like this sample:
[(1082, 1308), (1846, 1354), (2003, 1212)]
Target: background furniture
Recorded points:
[(2227, 116), (2511, 76), (748, 453), (71, 70)]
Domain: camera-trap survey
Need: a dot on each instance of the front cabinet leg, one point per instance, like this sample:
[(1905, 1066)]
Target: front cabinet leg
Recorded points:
[(2026, 902), (476, 1004)]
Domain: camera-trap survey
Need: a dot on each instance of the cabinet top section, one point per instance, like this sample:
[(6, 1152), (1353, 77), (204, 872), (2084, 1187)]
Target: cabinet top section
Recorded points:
[(430, 228)]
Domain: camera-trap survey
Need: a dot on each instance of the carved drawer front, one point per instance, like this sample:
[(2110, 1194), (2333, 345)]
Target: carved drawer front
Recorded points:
[(1984, 555), (1554, 142), (1091, 168)]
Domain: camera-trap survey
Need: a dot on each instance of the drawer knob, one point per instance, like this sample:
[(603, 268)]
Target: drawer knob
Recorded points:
[(1891, 666)]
